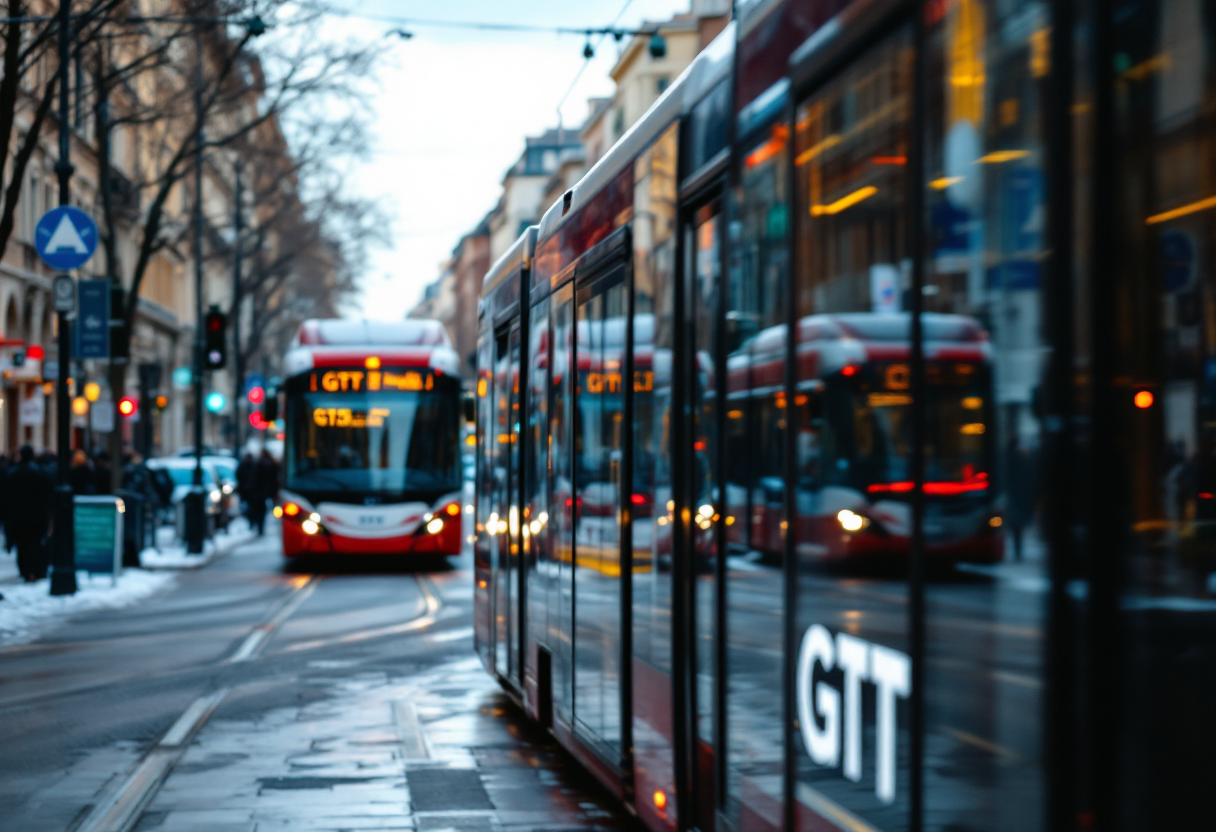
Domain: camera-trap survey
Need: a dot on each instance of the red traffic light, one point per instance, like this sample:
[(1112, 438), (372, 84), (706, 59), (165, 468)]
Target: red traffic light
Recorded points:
[(255, 419), (215, 321), (127, 406), (257, 395)]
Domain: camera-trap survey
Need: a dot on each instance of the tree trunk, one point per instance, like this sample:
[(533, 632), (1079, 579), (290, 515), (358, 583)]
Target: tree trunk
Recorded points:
[(118, 383)]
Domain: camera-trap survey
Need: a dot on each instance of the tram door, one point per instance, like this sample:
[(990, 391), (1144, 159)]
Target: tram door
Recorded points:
[(702, 272), (599, 457), (505, 535)]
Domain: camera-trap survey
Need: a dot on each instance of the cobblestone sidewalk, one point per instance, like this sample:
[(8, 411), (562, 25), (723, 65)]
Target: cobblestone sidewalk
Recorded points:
[(444, 750)]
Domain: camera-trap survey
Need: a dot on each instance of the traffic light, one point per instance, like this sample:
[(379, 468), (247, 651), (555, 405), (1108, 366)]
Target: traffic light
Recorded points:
[(270, 407), (256, 395), (215, 329), (127, 406), (162, 402), (215, 401)]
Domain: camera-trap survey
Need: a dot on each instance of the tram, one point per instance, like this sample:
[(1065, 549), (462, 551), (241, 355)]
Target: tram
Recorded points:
[(844, 435), (372, 449)]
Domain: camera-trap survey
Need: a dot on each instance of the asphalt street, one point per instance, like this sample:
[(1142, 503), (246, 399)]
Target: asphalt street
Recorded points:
[(250, 696)]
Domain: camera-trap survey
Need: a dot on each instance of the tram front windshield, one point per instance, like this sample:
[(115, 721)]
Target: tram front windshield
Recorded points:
[(865, 430), (395, 442)]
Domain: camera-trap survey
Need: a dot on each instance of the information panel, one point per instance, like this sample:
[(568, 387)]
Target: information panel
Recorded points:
[(98, 534)]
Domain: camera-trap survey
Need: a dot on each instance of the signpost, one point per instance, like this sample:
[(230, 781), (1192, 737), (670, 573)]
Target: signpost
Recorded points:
[(98, 523), (92, 320), (65, 239)]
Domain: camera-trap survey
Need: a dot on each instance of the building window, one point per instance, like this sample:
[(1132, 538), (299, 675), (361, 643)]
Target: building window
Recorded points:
[(661, 84)]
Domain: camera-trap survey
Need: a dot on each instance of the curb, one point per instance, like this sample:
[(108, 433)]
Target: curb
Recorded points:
[(207, 558)]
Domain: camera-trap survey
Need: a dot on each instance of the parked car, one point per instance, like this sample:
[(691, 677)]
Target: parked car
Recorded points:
[(180, 472)]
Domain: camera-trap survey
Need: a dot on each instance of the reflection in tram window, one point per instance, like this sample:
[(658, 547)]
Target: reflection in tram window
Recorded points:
[(1158, 502), (540, 567), (854, 437), (757, 304), (653, 510)]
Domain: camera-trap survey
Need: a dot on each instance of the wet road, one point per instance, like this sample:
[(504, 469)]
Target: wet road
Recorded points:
[(247, 697)]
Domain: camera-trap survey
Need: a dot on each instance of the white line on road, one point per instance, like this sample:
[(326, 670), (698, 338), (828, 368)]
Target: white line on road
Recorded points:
[(431, 600), (121, 809), (255, 641), (194, 716)]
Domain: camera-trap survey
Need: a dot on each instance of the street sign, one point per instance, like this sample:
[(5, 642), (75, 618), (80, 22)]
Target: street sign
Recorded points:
[(101, 416), (64, 291), (98, 534), (65, 237), (92, 331), (33, 410)]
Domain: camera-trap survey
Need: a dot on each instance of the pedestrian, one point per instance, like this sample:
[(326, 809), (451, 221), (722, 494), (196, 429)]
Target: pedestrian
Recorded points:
[(265, 487), (28, 502), (80, 476), (102, 474), (245, 471)]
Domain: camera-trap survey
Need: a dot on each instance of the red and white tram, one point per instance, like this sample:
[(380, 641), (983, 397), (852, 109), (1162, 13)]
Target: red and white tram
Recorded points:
[(372, 447), (833, 477)]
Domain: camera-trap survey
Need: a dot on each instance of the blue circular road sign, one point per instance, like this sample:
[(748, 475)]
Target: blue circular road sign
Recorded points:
[(65, 238)]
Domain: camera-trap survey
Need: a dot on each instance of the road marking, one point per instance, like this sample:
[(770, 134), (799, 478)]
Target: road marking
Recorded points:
[(409, 731), (303, 587), (120, 811), (122, 808), (194, 716), (431, 601)]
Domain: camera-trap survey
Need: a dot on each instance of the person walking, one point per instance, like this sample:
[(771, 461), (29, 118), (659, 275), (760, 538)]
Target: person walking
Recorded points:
[(245, 472), (265, 487), (80, 476), (28, 503)]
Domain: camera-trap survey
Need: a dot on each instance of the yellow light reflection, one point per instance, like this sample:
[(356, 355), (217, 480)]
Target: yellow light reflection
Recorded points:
[(1182, 211), (844, 202), (998, 157), (941, 183)]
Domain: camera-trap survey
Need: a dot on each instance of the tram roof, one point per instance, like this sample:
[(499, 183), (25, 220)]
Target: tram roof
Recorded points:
[(702, 75), (519, 255), (342, 332)]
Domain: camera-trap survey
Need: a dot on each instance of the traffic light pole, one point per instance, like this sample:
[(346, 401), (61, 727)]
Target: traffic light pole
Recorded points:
[(63, 554), (195, 505), (238, 392)]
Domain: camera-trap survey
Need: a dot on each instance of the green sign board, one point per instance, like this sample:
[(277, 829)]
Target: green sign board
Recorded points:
[(98, 534)]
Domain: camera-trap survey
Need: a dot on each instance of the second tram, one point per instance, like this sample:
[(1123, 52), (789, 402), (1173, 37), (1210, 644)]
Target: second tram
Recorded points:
[(372, 451)]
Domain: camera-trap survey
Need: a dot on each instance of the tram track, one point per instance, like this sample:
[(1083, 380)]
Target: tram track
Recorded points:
[(119, 808)]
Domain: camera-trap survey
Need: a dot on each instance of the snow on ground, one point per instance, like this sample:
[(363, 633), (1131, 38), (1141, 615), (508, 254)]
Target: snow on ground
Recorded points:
[(170, 552), (28, 609)]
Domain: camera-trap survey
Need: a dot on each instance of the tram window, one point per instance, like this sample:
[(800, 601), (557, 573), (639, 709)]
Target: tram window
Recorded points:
[(854, 434), (757, 298), (1158, 501), (540, 577), (707, 130)]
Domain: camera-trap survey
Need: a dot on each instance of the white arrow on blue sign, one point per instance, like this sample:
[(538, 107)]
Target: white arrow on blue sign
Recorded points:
[(65, 238)]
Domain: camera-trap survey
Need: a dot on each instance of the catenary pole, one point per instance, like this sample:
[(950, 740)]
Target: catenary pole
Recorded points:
[(63, 555)]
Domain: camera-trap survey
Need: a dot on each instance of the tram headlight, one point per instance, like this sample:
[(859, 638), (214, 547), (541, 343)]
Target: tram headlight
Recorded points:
[(278, 511), (434, 525), (310, 526), (851, 521)]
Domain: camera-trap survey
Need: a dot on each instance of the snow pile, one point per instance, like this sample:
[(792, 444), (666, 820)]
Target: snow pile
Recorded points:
[(170, 552), (27, 609)]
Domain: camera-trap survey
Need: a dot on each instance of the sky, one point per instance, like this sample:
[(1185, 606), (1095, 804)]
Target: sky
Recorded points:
[(451, 112)]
